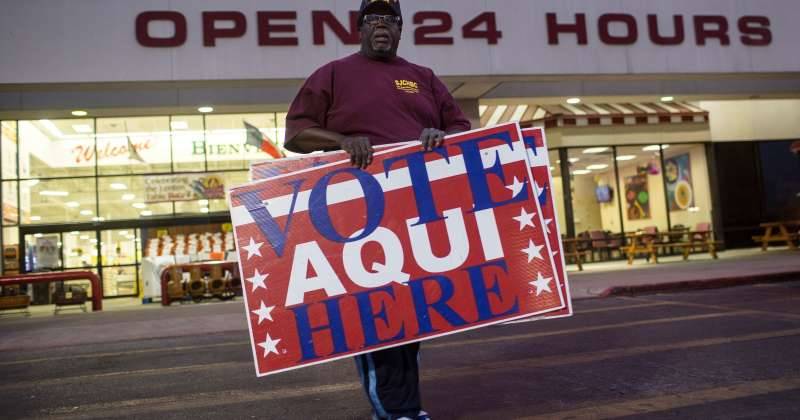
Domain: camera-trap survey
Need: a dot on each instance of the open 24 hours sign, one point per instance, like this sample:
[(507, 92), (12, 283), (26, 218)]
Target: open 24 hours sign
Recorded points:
[(339, 261)]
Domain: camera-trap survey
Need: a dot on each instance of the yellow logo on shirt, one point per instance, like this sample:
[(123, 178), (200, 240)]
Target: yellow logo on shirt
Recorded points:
[(406, 86)]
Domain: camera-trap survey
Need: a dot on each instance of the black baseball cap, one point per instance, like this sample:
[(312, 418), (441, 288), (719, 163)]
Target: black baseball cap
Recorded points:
[(383, 7)]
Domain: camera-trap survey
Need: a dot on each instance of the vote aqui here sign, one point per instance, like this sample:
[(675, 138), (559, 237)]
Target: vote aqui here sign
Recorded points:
[(338, 261)]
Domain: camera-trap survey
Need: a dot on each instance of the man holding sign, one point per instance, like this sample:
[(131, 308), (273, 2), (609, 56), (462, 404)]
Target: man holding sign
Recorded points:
[(369, 98)]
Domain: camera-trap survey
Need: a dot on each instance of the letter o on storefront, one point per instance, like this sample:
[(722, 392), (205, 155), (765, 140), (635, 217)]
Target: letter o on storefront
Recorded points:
[(144, 38)]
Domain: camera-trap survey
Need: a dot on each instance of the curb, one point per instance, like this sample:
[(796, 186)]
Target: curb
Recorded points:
[(717, 283)]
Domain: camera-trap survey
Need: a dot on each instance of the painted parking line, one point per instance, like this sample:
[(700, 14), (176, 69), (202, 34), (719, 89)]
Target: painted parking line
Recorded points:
[(674, 401), (784, 315), (241, 396)]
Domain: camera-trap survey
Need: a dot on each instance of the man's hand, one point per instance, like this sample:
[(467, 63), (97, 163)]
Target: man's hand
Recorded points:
[(431, 138), (359, 149)]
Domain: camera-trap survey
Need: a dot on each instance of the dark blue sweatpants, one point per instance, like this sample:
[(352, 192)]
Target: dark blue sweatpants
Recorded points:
[(391, 381)]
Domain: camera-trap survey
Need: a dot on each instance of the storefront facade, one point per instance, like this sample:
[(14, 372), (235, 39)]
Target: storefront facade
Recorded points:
[(105, 148)]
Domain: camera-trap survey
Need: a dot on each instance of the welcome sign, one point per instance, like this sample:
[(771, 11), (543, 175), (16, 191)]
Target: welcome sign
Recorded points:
[(339, 261)]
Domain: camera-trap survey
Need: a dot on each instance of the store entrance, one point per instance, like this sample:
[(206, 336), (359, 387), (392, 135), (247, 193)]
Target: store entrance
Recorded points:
[(125, 257)]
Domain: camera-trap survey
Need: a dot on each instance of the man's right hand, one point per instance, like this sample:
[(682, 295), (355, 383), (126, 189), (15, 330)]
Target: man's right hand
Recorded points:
[(359, 149)]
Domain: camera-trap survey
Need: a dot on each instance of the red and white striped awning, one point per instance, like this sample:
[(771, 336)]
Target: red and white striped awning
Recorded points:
[(580, 115)]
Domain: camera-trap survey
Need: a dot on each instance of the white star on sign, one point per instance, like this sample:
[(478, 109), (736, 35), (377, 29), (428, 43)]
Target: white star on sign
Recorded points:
[(258, 280), (265, 312), (270, 346), (547, 224), (253, 249), (516, 187), (542, 284), (525, 219), (533, 251)]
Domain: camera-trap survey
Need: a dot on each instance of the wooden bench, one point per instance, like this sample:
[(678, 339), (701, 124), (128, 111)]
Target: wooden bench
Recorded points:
[(778, 232), (570, 247)]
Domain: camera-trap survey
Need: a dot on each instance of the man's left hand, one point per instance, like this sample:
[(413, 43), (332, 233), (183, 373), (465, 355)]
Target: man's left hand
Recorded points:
[(431, 138)]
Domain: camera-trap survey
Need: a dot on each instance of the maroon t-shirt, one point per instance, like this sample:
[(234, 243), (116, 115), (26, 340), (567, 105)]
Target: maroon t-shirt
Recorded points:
[(386, 101)]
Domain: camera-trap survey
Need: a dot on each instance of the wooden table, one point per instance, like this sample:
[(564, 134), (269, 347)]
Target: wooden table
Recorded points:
[(650, 243), (571, 249), (780, 232)]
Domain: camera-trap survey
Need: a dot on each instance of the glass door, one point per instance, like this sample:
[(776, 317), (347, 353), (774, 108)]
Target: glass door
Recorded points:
[(120, 262)]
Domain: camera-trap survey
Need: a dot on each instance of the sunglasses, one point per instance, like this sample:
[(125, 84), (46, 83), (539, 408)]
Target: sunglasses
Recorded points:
[(387, 19)]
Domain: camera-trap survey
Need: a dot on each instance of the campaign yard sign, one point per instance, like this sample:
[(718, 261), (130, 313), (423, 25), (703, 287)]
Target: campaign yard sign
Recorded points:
[(339, 261), (273, 167), (536, 143)]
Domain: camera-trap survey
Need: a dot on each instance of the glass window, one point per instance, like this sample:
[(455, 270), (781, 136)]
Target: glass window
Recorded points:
[(85, 284), (120, 281), (58, 201), (118, 247), (133, 145), (43, 252), (8, 149), (688, 187), (594, 196), (202, 206), (10, 203), (126, 197), (80, 249), (11, 252), (226, 147), (188, 144), (642, 183), (56, 148), (557, 189)]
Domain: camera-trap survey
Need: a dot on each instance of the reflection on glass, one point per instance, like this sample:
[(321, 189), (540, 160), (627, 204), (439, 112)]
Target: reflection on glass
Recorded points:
[(43, 252), (133, 145), (688, 188), (557, 189), (226, 140), (58, 201), (10, 204), (11, 251), (594, 196), (56, 148), (188, 143), (129, 197), (641, 180), (120, 281), (118, 247), (8, 149), (85, 284), (80, 249)]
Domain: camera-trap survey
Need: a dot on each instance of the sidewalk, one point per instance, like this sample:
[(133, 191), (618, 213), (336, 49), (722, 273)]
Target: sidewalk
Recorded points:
[(672, 273), (128, 319)]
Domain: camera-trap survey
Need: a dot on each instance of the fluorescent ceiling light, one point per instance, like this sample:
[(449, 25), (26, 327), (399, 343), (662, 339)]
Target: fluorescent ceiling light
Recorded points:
[(98, 219), (82, 128), (36, 218), (598, 167), (179, 125), (654, 148), (84, 237), (128, 197), (86, 212), (552, 168), (204, 210), (202, 202), (73, 204), (574, 160), (139, 205), (79, 113), (48, 193), (626, 157), (118, 186), (38, 235), (31, 183), (75, 232), (54, 131), (574, 101), (667, 98), (581, 172), (146, 213), (205, 109), (595, 150), (93, 240)]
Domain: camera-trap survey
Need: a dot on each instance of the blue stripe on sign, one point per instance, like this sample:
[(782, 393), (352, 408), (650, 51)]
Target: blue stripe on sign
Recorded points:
[(373, 388)]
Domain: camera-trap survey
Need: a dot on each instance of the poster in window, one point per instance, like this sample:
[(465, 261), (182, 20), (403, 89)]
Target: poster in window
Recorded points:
[(678, 173), (637, 197)]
